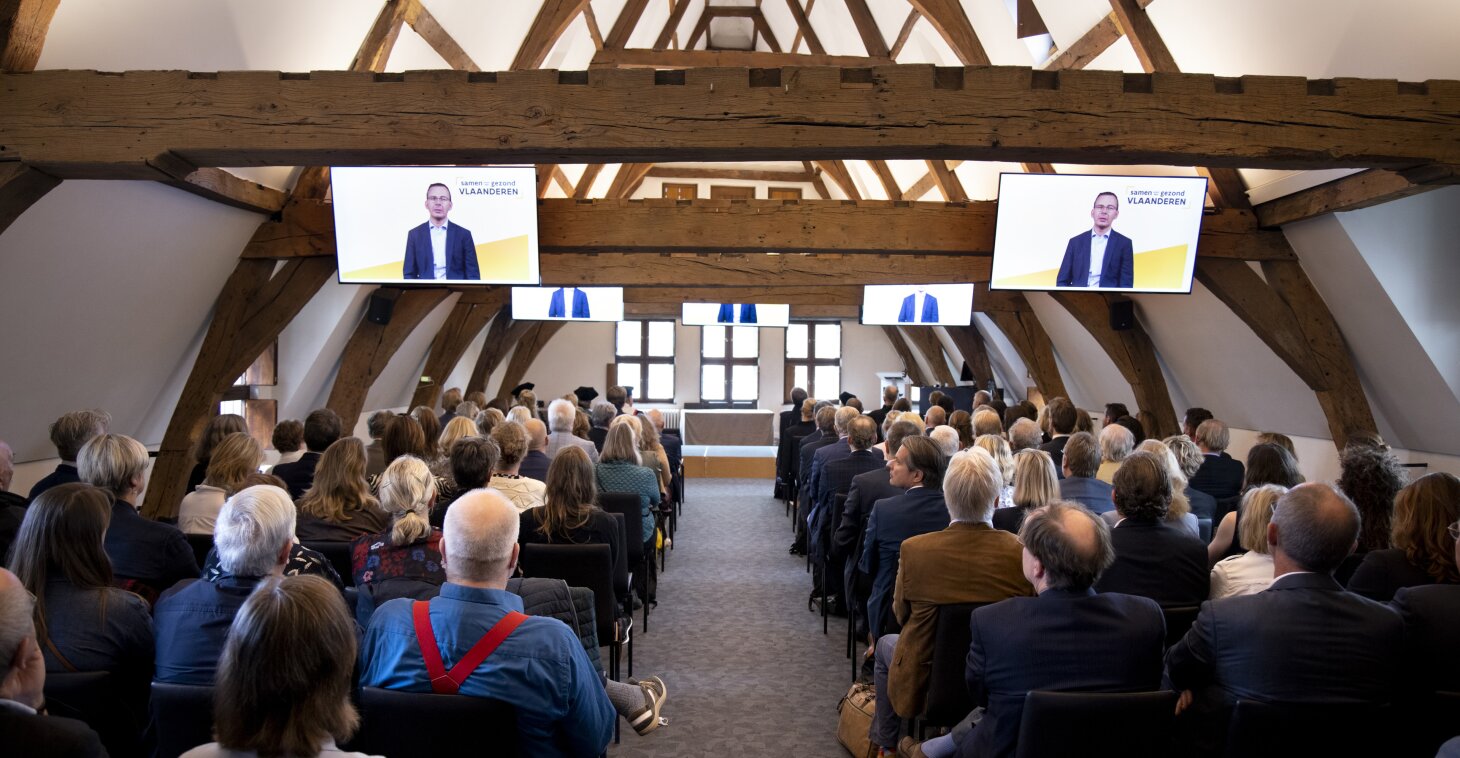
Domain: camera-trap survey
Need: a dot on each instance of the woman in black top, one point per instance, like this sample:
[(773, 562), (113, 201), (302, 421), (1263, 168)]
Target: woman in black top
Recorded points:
[(571, 516), (1423, 549)]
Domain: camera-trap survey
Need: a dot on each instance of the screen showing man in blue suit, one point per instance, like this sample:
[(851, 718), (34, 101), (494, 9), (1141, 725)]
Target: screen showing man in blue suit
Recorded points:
[(727, 314), (921, 303), (557, 305), (1100, 257), (439, 249)]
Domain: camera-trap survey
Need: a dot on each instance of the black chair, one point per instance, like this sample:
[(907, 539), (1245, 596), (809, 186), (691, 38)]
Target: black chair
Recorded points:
[(1179, 619), (948, 701), (1204, 530), (826, 534), (627, 503), (201, 544), (621, 573), (1286, 729), (182, 717), (587, 566), (1094, 723), (420, 724), (338, 554), (113, 704)]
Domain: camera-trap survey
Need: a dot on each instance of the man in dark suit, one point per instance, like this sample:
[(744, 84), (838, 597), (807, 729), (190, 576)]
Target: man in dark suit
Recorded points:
[(1101, 257), (792, 414), (908, 313), (879, 416), (69, 433), (1220, 474), (838, 449), (727, 314), (601, 414), (825, 435), (836, 479), (557, 307), (27, 730), (1153, 557), (1063, 415), (321, 429), (918, 467), (1303, 640), (1065, 639), (1080, 462), (438, 249), (787, 462), (535, 464)]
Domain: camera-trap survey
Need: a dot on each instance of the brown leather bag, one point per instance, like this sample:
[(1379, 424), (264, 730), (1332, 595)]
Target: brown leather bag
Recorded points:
[(855, 720)]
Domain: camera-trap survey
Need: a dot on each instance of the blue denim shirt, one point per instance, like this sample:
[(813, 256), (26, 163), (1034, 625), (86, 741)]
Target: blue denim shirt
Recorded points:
[(541, 669), (192, 621)]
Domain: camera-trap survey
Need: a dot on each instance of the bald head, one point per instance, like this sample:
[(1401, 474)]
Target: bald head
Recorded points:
[(1070, 546), (479, 540), (657, 419), (8, 580), (536, 434), (1314, 527)]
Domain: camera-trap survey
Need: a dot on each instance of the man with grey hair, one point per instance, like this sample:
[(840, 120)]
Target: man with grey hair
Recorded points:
[(375, 451), (600, 415), (1220, 475), (1066, 638), (561, 415), (253, 536), (967, 562), (1025, 435), (1303, 641), (539, 665), (946, 438), (535, 464), (22, 686), (69, 433)]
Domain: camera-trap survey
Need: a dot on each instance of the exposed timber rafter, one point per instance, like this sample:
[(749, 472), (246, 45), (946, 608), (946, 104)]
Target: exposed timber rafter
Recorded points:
[(927, 343), (371, 347), (469, 316), (909, 361), (551, 21), (23, 28), (529, 346), (949, 18), (1132, 352)]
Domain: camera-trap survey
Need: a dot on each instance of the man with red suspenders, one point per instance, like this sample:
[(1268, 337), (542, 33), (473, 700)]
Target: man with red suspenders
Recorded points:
[(474, 640)]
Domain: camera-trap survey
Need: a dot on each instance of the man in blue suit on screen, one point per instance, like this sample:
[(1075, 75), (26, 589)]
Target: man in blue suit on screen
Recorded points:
[(438, 249), (910, 306), (1101, 257), (727, 314), (557, 305)]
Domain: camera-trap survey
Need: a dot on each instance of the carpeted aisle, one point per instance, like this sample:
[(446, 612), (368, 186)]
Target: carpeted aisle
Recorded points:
[(748, 670)]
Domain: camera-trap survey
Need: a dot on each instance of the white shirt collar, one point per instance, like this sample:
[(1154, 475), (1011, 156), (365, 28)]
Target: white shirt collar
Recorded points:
[(1277, 579), (433, 225)]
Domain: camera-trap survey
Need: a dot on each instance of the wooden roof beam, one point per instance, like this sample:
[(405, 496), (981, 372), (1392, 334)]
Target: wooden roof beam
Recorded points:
[(21, 187), (371, 347), (804, 30), (741, 174), (551, 21), (1088, 47), (671, 59), (533, 340), (623, 25), (909, 361), (23, 28), (948, 17), (927, 343), (867, 29), (1132, 352), (1361, 190), (469, 316), (676, 15), (430, 30), (905, 33)]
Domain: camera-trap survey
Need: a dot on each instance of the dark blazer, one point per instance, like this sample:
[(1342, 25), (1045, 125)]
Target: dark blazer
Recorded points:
[(673, 450), (1009, 519), (1117, 269), (1056, 450), (809, 446), (727, 314), (1158, 560), (1431, 615), (461, 253), (299, 475), (535, 465), (1303, 640), (1384, 572), (191, 623), (151, 552), (789, 445), (919, 511), (1202, 504), (558, 309), (836, 479), (826, 454), (48, 736), (866, 490), (1064, 641), (1087, 491), (1219, 476), (597, 435), (65, 473), (930, 310)]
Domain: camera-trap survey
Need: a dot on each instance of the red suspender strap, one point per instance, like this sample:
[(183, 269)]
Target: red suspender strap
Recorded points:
[(443, 683)]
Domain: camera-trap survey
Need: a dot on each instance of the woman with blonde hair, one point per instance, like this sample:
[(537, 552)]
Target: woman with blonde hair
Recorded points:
[(219, 426), (410, 549), (1035, 485), (1250, 572), (1423, 549), (338, 507), (651, 451), (998, 448), (284, 677), (519, 413), (233, 459), (459, 427)]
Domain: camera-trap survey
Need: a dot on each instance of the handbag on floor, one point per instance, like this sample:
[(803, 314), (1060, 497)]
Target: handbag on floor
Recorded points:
[(855, 720)]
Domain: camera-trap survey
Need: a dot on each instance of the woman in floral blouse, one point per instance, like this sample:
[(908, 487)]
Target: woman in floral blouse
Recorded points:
[(410, 548)]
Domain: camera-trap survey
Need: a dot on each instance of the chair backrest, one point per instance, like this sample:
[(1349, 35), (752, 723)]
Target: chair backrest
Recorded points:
[(338, 554), (1097, 723), (621, 568), (110, 703), (627, 503), (412, 723), (1179, 619), (1286, 729), (948, 700), (182, 717), (1204, 529), (580, 566), (201, 544)]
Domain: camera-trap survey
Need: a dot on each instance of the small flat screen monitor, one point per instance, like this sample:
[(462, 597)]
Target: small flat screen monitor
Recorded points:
[(740, 314), (1103, 233), (454, 224), (568, 303), (918, 304)]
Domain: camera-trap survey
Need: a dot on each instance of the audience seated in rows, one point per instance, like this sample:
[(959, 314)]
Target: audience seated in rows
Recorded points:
[(1190, 458), (835, 447), (1251, 571), (218, 428), (1153, 557), (793, 414), (1422, 547), (966, 562), (233, 459), (511, 439), (375, 425), (570, 514), (472, 462), (889, 399), (457, 428), (535, 464), (1035, 486), (651, 450), (1431, 614), (146, 556), (1179, 512), (562, 415), (917, 468), (302, 561), (672, 445), (866, 489), (619, 470), (338, 506), (404, 560), (836, 479), (600, 414), (1081, 461), (68, 434), (1116, 442), (998, 449), (1220, 475), (321, 429), (288, 440), (1266, 464), (1371, 477), (1062, 415), (253, 539)]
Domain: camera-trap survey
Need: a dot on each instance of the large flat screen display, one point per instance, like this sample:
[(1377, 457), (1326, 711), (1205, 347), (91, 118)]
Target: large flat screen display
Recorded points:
[(913, 304), (568, 303), (740, 314), (1086, 232), (463, 225)]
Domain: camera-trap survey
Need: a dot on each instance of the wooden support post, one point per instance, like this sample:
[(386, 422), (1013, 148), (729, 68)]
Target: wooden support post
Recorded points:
[(1131, 351), (467, 320), (948, 17), (975, 353), (889, 182), (23, 28), (628, 179), (372, 346), (502, 336), (872, 39), (585, 182), (21, 187), (1088, 47), (839, 173), (947, 181), (551, 21), (927, 343), (676, 14), (437, 37), (623, 26), (533, 340), (251, 312), (909, 362)]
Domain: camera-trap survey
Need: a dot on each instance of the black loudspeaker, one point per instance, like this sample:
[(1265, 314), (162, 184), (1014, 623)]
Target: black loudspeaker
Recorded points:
[(382, 305), (967, 374), (1122, 315)]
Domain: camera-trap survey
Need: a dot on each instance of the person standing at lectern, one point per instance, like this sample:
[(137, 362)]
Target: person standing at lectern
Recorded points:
[(438, 249), (1101, 257)]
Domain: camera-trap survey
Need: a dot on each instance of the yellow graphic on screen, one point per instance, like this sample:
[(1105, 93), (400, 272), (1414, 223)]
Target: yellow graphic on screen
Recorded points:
[(1160, 269), (499, 260)]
